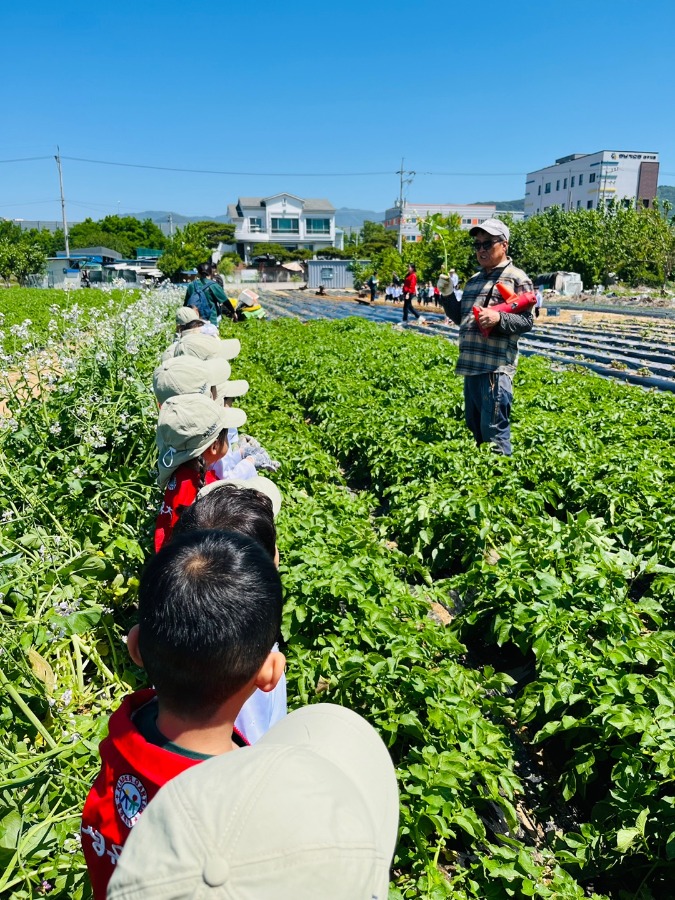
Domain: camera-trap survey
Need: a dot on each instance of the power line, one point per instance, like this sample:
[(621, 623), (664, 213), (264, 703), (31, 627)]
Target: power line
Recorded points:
[(24, 159), (106, 162)]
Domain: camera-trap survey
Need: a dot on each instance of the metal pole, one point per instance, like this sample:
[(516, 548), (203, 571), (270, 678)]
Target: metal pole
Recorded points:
[(63, 202), (403, 181), (400, 209)]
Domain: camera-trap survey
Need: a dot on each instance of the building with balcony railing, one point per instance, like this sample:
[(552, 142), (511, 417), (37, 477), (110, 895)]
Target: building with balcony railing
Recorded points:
[(283, 219)]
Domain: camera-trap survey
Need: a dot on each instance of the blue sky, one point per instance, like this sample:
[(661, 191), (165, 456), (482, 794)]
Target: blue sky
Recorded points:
[(487, 89)]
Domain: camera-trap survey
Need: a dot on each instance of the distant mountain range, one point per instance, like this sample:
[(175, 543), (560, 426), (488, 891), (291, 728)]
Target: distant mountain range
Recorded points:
[(345, 217)]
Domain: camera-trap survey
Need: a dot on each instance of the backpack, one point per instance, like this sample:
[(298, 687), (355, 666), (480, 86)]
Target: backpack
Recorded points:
[(201, 300)]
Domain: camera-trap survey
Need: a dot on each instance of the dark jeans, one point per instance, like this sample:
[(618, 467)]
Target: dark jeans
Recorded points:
[(487, 407), (408, 307)]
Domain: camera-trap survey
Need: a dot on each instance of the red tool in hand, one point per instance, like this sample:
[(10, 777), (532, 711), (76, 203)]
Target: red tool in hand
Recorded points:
[(513, 303)]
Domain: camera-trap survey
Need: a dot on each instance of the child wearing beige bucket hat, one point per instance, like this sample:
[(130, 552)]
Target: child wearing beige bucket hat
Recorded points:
[(189, 375), (203, 346), (309, 813), (191, 437)]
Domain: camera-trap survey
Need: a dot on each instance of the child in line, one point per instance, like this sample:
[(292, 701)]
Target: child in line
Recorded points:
[(203, 346), (191, 437), (189, 375), (309, 813), (210, 608), (187, 319), (249, 508), (245, 455)]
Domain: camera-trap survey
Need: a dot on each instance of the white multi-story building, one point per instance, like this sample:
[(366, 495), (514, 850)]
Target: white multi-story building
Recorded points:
[(282, 219), (406, 218), (589, 180)]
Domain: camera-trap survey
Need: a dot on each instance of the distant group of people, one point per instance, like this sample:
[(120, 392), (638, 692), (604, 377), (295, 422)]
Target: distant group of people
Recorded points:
[(206, 784)]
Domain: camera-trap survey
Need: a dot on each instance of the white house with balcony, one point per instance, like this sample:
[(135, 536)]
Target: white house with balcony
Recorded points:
[(282, 219)]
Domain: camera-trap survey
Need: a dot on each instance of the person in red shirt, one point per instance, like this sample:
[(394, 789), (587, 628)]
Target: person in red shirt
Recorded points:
[(409, 292), (209, 609), (191, 438)]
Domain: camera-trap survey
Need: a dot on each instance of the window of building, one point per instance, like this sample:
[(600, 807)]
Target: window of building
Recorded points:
[(255, 223), (578, 204), (547, 187), (562, 206), (557, 185), (572, 181), (327, 273), (564, 184), (318, 226), (589, 204), (581, 180), (539, 191), (591, 178), (285, 226), (410, 237), (468, 221)]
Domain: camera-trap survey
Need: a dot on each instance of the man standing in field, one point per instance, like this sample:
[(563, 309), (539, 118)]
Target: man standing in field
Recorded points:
[(488, 363)]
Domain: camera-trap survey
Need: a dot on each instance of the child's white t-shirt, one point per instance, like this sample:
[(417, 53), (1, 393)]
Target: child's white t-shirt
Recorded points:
[(262, 710)]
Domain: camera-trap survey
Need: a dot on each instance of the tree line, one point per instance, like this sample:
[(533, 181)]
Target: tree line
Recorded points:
[(621, 242)]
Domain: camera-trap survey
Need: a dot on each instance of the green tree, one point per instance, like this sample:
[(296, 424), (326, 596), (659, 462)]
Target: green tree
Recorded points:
[(334, 253), (186, 249), (218, 232), (121, 233), (375, 238), (20, 256), (386, 263), (636, 245), (444, 245)]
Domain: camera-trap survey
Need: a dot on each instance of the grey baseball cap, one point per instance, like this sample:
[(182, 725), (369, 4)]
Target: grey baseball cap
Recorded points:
[(187, 425), (310, 811), (257, 483), (493, 227), (189, 375)]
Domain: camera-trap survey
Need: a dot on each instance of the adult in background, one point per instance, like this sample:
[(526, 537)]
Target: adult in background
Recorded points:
[(488, 364), (372, 283), (409, 293), (540, 301), (207, 296)]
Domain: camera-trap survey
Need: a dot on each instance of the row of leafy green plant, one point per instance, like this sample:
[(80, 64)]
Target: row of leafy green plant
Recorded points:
[(77, 463), (562, 558)]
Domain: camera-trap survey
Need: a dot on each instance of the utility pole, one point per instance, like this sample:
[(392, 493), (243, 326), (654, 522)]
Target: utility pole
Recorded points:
[(404, 182), (63, 202)]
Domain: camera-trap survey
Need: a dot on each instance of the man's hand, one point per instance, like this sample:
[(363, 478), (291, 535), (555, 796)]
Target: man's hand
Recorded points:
[(444, 284), (488, 318)]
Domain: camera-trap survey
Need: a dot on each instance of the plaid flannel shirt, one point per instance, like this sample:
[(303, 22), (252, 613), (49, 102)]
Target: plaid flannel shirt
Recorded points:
[(499, 351)]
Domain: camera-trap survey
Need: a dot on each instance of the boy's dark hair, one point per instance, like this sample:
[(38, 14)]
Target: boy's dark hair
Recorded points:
[(204, 269), (196, 323), (209, 612), (232, 508)]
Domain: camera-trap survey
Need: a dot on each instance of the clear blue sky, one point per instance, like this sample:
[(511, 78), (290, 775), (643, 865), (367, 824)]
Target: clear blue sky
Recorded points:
[(485, 87)]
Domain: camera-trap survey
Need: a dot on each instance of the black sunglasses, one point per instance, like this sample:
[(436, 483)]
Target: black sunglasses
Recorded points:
[(485, 245)]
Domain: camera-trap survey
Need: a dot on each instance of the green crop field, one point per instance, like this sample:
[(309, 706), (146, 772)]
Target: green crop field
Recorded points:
[(33, 316), (506, 624)]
